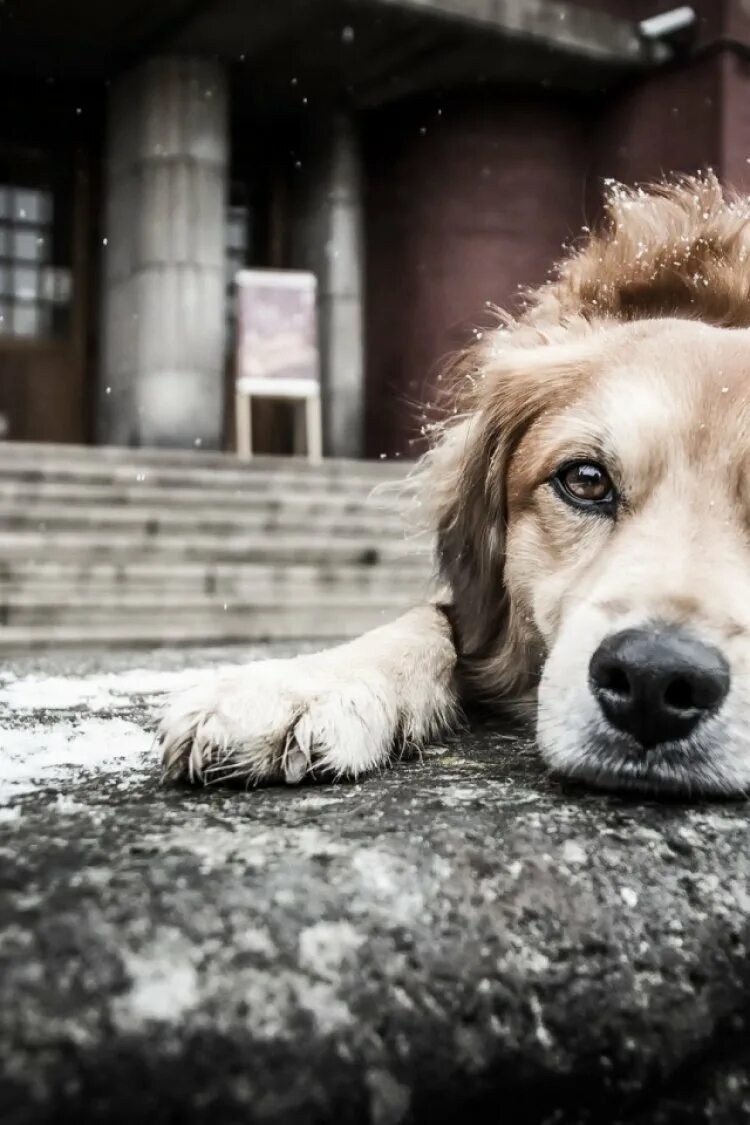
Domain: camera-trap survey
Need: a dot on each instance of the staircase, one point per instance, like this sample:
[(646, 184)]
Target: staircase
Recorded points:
[(143, 547)]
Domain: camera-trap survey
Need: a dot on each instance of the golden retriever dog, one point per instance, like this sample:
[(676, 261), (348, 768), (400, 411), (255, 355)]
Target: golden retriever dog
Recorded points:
[(592, 507)]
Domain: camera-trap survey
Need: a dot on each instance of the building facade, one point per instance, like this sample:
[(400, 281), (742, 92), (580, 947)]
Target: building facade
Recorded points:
[(424, 158)]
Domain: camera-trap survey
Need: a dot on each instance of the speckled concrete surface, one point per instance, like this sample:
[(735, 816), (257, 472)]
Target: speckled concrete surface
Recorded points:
[(461, 938)]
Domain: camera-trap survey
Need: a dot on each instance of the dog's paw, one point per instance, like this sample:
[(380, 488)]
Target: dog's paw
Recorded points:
[(279, 720)]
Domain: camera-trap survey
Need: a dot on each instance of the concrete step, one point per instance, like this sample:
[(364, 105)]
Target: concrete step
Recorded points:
[(153, 547), (316, 622), (75, 546), (19, 495), (27, 577), (40, 463), (151, 521), (42, 453), (240, 482), (140, 609)]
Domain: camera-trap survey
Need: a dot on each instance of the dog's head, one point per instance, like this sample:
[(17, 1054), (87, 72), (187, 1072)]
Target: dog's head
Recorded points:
[(594, 501)]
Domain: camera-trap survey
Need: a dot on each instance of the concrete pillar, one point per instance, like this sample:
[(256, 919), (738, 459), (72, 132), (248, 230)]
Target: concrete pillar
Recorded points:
[(164, 286), (329, 240)]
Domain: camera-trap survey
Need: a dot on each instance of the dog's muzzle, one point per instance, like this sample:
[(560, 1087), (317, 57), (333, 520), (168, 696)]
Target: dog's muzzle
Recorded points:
[(657, 684)]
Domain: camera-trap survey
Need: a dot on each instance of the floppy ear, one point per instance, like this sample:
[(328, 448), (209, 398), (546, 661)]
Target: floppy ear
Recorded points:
[(467, 476), (471, 531)]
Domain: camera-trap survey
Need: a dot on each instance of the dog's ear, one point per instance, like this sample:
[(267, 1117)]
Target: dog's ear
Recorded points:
[(467, 473), (471, 530)]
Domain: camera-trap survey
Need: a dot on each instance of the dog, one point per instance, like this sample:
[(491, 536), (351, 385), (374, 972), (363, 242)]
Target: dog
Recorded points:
[(591, 500)]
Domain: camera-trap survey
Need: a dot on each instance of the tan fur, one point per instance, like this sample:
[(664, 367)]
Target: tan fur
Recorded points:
[(675, 249), (679, 249), (636, 356)]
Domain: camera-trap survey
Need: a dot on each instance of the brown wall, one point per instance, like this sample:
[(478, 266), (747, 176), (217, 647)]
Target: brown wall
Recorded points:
[(467, 204), (735, 120), (693, 114), (463, 205), (668, 122)]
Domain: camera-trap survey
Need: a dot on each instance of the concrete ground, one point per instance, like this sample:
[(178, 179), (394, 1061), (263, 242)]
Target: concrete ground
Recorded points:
[(463, 937)]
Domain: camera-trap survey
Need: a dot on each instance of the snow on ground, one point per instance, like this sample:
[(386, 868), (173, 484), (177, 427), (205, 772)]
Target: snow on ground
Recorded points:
[(107, 692), (40, 749), (41, 756)]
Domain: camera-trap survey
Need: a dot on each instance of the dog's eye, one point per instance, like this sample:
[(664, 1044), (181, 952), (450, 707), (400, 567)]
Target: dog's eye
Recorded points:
[(585, 484)]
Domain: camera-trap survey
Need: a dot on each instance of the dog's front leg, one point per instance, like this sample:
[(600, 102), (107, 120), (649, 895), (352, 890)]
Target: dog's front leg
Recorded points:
[(338, 713)]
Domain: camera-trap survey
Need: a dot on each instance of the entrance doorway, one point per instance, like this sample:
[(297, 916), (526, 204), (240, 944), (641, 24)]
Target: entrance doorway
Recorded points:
[(44, 209)]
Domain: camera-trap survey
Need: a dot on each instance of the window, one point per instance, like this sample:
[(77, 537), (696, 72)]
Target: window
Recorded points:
[(33, 293)]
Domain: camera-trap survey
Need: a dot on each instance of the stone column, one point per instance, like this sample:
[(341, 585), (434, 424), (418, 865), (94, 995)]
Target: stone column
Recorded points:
[(164, 287), (329, 240)]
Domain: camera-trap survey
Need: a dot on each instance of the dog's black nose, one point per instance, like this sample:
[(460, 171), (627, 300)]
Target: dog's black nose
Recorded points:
[(657, 684)]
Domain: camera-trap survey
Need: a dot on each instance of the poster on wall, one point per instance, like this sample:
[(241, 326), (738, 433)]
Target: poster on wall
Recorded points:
[(277, 338)]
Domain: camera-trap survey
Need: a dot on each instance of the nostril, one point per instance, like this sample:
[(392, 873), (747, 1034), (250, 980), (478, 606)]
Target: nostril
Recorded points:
[(613, 678), (679, 694), (657, 684)]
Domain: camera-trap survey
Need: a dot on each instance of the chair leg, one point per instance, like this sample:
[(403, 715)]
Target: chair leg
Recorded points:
[(314, 425), (244, 420)]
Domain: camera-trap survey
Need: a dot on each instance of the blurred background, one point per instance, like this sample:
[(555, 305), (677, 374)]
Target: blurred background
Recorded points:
[(421, 159)]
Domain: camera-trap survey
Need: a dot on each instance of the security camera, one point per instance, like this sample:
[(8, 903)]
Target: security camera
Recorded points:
[(669, 25)]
